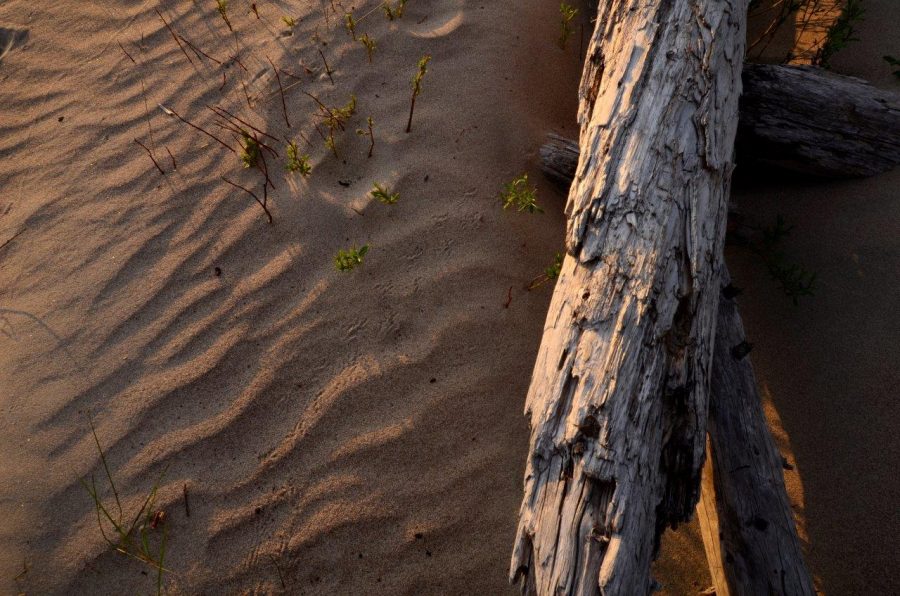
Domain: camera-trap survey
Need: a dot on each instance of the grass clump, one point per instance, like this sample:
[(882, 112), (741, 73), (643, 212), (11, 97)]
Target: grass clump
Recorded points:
[(368, 133), (289, 22), (521, 195), (550, 273), (841, 33), (222, 7), (567, 13), (384, 195), (350, 25), (134, 536), (422, 70), (296, 162), (369, 44), (346, 260), (249, 150), (894, 64), (795, 281), (393, 13)]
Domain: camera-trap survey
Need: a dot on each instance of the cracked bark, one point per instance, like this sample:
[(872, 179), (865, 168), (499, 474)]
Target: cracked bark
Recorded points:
[(797, 118), (618, 397)]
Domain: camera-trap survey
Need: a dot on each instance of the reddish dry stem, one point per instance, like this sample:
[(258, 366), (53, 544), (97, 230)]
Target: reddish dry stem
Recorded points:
[(252, 194), (150, 153), (174, 36)]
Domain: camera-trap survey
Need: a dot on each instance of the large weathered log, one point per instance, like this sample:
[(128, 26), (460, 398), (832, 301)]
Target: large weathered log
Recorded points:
[(745, 517), (618, 397), (799, 118)]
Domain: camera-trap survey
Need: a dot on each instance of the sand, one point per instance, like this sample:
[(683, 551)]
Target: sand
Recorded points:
[(342, 433)]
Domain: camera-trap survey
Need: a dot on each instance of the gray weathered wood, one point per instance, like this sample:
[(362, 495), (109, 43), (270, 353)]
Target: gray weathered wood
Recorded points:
[(799, 118), (745, 517), (618, 397)]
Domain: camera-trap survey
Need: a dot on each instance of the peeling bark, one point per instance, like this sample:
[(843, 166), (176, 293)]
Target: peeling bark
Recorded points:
[(745, 516), (618, 397)]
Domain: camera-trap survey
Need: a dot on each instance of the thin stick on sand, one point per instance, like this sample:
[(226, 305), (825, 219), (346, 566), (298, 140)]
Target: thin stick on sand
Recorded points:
[(150, 153), (252, 194)]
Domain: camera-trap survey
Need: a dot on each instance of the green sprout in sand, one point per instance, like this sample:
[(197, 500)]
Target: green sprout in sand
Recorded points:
[(296, 162), (550, 273), (222, 7), (368, 133), (350, 25), (520, 194), (393, 13), (346, 260), (289, 22), (369, 44), (568, 13), (417, 87), (249, 150), (384, 195)]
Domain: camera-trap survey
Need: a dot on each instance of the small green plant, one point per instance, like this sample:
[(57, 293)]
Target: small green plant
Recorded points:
[(296, 162), (135, 538), (249, 150), (894, 63), (350, 24), (417, 87), (841, 33), (222, 7), (550, 273), (289, 22), (369, 44), (520, 194), (568, 14), (368, 133), (384, 195), (346, 260), (795, 281), (334, 119), (393, 13)]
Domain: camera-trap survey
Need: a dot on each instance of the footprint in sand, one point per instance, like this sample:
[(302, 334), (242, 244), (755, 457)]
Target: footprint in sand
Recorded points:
[(440, 25), (10, 38)]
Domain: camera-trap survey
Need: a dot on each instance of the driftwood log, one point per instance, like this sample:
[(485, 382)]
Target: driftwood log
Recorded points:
[(618, 397), (799, 118), (745, 517)]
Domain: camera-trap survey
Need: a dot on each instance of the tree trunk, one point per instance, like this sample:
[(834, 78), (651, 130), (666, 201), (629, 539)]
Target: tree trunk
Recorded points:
[(618, 397), (799, 118), (745, 516)]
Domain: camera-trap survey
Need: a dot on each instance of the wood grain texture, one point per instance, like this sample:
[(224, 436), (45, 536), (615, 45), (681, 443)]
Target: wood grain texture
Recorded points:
[(618, 398), (745, 516), (798, 118)]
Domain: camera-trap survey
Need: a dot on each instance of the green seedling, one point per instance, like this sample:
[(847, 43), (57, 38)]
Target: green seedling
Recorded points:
[(334, 119), (368, 133), (350, 24), (346, 260), (393, 13), (841, 33), (249, 150), (134, 536), (296, 162), (417, 87), (568, 13), (222, 7), (369, 44), (289, 22), (550, 273), (384, 195), (520, 194), (894, 63)]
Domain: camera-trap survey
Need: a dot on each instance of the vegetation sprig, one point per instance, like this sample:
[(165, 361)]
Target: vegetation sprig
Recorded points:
[(417, 87), (384, 195), (567, 13), (296, 162), (521, 195), (346, 260)]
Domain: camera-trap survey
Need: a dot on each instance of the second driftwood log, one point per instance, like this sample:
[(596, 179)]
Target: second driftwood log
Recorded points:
[(747, 524), (798, 118)]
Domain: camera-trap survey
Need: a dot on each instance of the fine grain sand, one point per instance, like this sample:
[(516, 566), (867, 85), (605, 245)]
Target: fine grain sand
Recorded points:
[(361, 432)]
